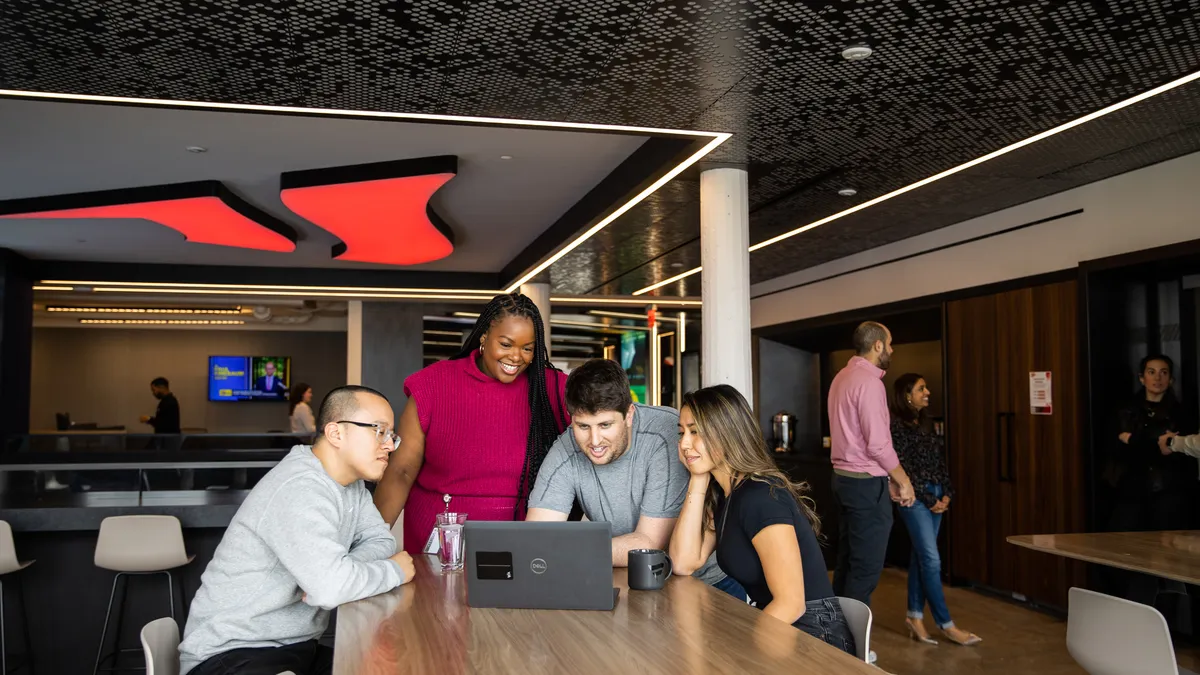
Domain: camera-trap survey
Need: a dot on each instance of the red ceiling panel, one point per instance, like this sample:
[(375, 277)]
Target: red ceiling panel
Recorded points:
[(380, 212), (204, 213)]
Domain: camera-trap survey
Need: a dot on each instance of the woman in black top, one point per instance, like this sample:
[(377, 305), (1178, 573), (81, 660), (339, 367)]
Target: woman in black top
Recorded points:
[(1153, 489), (760, 523), (922, 455)]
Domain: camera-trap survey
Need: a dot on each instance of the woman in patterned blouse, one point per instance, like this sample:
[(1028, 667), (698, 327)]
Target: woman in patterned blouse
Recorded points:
[(921, 454)]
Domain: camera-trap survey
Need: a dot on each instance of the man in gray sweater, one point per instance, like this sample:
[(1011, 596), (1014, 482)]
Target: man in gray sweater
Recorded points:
[(307, 539)]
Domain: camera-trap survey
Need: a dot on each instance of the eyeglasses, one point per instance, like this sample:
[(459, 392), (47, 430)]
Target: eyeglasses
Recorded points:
[(382, 433)]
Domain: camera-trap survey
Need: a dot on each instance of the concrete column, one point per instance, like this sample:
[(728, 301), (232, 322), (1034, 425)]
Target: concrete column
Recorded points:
[(540, 295), (354, 312), (725, 282), (384, 346), (392, 349)]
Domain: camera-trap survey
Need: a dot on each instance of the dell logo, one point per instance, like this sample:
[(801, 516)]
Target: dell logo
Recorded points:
[(538, 566)]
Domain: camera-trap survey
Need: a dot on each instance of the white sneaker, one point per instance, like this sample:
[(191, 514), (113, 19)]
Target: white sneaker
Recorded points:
[(871, 658)]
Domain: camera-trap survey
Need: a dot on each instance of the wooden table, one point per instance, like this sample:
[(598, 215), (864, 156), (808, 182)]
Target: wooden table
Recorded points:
[(1170, 555), (687, 628)]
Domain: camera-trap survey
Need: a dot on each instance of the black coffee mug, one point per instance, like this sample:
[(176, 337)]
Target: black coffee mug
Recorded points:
[(649, 569)]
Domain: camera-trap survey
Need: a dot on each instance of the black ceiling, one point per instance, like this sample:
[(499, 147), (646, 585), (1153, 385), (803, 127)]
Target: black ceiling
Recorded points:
[(950, 80)]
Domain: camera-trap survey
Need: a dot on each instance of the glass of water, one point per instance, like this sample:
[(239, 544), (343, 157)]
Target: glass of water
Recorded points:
[(450, 540)]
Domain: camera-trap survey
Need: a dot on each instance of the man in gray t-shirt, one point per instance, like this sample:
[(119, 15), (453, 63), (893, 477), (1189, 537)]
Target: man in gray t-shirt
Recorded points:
[(620, 460)]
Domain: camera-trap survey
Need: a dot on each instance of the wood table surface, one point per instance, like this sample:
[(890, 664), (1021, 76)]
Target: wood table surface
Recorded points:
[(686, 628), (1170, 555)]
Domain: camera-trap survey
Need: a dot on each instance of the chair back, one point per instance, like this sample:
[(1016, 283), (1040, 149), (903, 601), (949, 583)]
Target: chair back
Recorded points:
[(160, 643), (1113, 636), (858, 615), (8, 550), (140, 544)]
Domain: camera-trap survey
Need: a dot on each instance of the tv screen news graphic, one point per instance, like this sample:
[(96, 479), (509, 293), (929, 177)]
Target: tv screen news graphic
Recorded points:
[(249, 378)]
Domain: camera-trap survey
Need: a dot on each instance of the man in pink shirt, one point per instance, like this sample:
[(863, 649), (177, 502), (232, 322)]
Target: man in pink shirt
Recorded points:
[(863, 461)]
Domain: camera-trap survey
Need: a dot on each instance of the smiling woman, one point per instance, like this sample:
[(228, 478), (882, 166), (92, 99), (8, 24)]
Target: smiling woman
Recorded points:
[(477, 426)]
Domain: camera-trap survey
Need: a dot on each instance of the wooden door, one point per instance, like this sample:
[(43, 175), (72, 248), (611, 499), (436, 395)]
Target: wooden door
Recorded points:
[(1014, 472), (970, 339), (1016, 334), (1048, 456)]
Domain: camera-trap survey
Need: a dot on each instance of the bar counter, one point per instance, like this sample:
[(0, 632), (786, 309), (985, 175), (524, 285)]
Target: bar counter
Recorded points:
[(686, 628), (56, 488)]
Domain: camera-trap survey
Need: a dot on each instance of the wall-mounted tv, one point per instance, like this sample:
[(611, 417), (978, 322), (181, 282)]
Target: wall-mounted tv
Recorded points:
[(249, 378)]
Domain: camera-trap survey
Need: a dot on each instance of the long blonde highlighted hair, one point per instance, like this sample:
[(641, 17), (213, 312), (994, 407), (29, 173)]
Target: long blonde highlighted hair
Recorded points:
[(735, 442)]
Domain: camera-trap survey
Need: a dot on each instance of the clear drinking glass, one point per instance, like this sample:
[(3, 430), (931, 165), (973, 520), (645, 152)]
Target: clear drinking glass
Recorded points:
[(450, 540)]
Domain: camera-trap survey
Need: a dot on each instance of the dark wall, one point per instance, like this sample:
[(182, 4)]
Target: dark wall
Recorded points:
[(16, 339), (789, 380)]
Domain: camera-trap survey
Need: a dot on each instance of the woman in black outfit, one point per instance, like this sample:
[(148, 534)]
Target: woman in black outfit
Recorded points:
[(1153, 491), (762, 526)]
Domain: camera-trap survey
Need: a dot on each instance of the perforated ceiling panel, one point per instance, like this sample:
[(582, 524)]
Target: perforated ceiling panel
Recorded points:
[(950, 80)]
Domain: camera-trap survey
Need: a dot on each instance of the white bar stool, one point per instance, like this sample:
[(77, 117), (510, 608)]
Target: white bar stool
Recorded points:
[(8, 565), (137, 545)]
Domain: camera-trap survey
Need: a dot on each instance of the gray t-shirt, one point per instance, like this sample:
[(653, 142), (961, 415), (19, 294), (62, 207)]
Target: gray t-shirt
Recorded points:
[(648, 480)]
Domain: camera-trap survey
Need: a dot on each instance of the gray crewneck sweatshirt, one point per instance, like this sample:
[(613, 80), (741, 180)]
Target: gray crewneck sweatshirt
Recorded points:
[(298, 533)]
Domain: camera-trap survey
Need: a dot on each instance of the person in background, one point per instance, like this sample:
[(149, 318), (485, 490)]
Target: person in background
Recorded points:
[(865, 467), (305, 540), (300, 412), (922, 454), (476, 426), (1153, 489), (618, 460), (166, 417), (270, 382), (762, 526)]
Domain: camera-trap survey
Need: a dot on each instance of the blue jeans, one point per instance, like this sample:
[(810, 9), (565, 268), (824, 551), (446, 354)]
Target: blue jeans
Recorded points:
[(925, 564), (732, 587)]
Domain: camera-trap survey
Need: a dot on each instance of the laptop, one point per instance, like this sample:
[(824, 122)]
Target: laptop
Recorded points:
[(520, 565)]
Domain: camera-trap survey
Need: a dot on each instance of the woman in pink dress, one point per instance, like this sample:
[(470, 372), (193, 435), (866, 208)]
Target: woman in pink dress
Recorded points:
[(476, 426)]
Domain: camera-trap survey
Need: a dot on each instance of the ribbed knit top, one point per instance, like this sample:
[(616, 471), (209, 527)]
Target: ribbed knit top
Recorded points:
[(475, 427)]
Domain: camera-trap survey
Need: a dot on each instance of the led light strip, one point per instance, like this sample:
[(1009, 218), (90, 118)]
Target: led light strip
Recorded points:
[(624, 315), (697, 156), (336, 112), (364, 292), (165, 322), (265, 287), (353, 296), (949, 172), (144, 310), (584, 300)]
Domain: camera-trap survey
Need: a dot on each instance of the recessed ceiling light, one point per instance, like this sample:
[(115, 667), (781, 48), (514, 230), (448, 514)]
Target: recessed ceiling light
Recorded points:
[(505, 156), (196, 148), (857, 52), (847, 192), (676, 265)]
